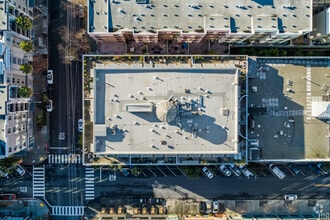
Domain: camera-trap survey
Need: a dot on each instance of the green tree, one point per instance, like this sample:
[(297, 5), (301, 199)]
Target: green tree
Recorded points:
[(25, 68), (24, 92), (27, 46), (23, 22)]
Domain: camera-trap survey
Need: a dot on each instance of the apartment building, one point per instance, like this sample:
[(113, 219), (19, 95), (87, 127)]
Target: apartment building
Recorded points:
[(321, 27), (238, 21), (15, 117)]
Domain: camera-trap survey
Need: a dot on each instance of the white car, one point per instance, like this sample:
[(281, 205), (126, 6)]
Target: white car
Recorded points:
[(234, 169), (207, 172), (215, 207), (290, 197), (49, 106), (80, 125), (225, 170), (50, 77), (246, 172), (20, 170)]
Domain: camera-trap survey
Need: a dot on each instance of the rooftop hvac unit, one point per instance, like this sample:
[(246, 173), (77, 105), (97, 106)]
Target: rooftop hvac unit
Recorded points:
[(142, 1)]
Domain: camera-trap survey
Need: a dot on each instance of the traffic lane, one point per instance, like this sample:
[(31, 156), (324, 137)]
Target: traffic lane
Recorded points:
[(58, 117), (76, 67), (266, 187)]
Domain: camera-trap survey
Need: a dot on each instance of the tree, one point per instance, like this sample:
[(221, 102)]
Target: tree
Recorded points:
[(23, 22), (24, 92), (27, 46), (26, 68)]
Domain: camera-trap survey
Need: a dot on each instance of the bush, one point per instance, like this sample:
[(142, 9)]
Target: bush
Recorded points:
[(26, 68), (23, 22), (24, 92), (26, 46)]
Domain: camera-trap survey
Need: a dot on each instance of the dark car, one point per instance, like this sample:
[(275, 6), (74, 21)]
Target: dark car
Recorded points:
[(293, 168), (202, 207), (314, 169)]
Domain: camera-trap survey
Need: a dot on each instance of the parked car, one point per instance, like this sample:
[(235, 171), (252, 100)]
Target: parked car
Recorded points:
[(20, 170), (202, 208), (234, 169), (80, 125), (207, 172), (290, 197), (49, 106), (320, 167), (314, 169), (293, 168), (8, 196), (225, 170), (50, 77), (208, 207), (246, 172), (215, 207), (279, 173)]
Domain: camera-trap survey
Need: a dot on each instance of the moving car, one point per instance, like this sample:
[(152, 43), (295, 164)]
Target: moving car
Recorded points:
[(49, 106), (225, 170), (80, 125), (50, 77), (290, 196), (234, 169), (293, 168), (245, 171), (207, 172)]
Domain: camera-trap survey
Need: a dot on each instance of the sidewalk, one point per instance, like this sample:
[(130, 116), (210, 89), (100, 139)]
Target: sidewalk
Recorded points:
[(37, 152)]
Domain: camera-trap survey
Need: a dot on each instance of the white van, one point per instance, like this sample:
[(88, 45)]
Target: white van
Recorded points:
[(279, 173)]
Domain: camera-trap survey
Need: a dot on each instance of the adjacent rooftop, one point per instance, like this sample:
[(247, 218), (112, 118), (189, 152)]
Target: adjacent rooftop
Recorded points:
[(238, 16)]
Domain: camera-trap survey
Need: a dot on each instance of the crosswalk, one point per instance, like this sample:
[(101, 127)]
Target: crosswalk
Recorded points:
[(64, 158), (68, 210), (38, 181), (288, 113), (89, 183)]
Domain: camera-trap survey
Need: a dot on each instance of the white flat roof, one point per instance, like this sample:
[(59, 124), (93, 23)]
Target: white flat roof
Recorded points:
[(237, 16), (203, 116)]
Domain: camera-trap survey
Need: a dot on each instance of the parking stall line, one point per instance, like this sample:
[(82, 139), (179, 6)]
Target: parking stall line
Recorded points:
[(171, 171), (181, 171), (161, 171), (152, 172)]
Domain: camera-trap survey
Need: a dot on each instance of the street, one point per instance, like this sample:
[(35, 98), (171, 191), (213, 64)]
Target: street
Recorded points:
[(62, 189)]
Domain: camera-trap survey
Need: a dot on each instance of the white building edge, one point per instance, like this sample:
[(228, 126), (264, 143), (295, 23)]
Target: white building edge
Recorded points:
[(15, 116)]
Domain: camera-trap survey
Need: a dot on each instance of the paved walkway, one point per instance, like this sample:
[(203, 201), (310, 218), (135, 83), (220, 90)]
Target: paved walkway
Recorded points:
[(163, 47), (37, 152)]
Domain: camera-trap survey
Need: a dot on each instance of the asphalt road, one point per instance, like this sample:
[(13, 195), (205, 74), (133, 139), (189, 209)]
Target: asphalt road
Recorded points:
[(67, 83), (222, 188), (67, 100), (65, 186)]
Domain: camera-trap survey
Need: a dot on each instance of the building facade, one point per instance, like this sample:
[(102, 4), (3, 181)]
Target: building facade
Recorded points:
[(321, 27), (15, 117), (239, 21)]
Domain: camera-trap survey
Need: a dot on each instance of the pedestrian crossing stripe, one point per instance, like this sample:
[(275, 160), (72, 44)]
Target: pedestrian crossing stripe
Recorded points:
[(38, 181), (89, 183), (64, 159), (68, 210)]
